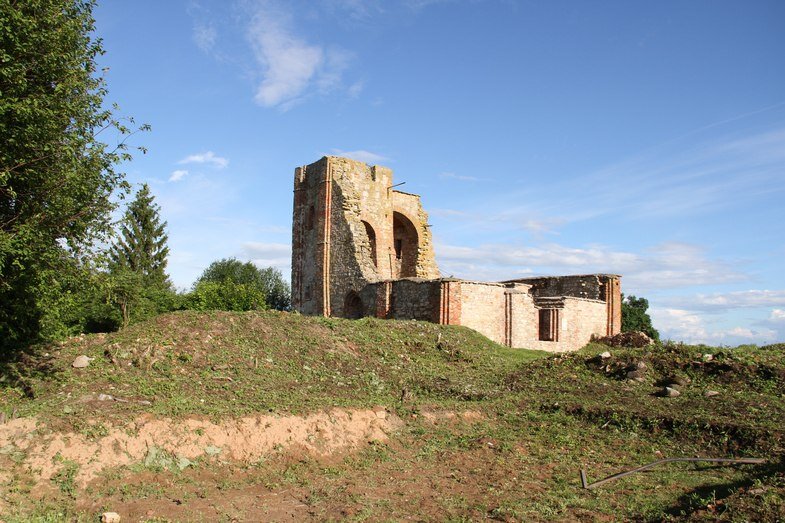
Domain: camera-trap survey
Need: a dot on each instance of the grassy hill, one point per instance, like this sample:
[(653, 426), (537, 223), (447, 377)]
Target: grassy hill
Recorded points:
[(463, 429)]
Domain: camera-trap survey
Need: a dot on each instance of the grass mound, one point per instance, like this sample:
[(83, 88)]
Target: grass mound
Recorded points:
[(228, 364), (487, 432), (732, 400)]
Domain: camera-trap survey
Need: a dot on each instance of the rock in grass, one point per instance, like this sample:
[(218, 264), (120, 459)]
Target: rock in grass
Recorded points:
[(110, 517), (635, 374), (681, 381), (380, 412), (711, 393), (605, 355), (669, 392), (81, 362)]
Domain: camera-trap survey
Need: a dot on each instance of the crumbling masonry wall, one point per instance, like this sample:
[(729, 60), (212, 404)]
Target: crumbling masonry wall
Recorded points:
[(351, 228), (361, 248)]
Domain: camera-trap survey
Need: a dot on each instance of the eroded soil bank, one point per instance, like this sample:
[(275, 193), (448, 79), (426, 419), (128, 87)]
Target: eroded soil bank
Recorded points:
[(177, 443)]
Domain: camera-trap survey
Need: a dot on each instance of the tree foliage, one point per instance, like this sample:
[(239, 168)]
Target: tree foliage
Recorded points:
[(141, 248), (225, 296), (634, 316), (268, 282), (56, 176), (137, 283)]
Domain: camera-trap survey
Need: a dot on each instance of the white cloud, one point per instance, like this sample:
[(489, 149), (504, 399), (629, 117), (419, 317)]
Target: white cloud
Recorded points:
[(776, 323), (359, 10), (207, 157), (291, 65), (362, 156), (690, 327), (458, 177), (732, 300), (178, 175), (356, 88), (204, 36), (269, 254), (680, 178), (777, 315), (676, 179), (667, 265), (417, 5)]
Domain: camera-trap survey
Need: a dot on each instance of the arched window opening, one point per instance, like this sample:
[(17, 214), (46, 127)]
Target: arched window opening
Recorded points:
[(371, 241), (353, 306), (406, 246)]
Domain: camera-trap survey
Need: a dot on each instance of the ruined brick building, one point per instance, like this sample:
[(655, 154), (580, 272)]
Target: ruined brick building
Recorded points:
[(361, 248)]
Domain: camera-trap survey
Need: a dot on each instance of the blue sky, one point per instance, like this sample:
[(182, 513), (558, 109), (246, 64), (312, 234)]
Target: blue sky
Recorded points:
[(633, 137)]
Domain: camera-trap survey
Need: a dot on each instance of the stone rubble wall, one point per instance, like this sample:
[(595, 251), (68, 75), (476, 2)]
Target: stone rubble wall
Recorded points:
[(341, 269)]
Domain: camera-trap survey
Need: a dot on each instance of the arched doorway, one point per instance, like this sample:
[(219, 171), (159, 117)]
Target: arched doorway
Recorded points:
[(405, 245), (353, 306)]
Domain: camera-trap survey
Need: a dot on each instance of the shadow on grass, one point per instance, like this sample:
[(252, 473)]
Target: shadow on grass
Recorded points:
[(690, 504), (21, 368)]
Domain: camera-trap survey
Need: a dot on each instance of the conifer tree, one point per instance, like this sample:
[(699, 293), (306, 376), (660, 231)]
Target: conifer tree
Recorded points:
[(142, 248)]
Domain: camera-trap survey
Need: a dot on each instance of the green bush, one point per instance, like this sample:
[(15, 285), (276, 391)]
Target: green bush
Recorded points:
[(227, 296), (635, 318)]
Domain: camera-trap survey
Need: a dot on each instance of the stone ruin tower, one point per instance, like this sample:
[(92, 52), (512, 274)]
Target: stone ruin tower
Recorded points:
[(351, 228), (362, 248)]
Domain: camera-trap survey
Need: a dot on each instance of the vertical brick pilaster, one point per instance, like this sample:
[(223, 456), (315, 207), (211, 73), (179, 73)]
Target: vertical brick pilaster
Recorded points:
[(383, 302), (508, 319), (613, 305), (449, 312)]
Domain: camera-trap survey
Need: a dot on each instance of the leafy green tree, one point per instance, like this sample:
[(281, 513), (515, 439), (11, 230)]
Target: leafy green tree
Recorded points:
[(56, 176), (268, 281), (142, 248), (635, 318), (226, 296)]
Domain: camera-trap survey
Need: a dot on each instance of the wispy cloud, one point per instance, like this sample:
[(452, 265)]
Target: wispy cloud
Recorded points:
[(357, 10), (204, 36), (356, 88), (178, 175), (362, 156), (269, 254), (417, 5), (691, 327), (668, 265), (207, 157), (777, 315), (677, 179), (462, 178), (292, 66), (731, 300), (684, 179), (203, 33)]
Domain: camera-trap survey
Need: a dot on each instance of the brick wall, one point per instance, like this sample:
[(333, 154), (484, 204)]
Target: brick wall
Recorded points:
[(346, 262), (579, 320), (482, 308)]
